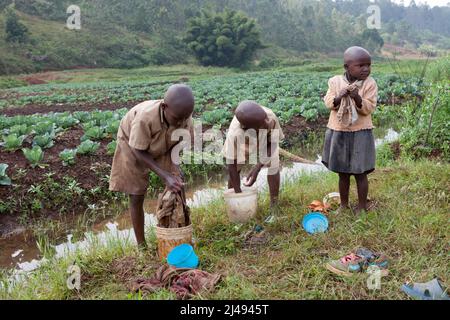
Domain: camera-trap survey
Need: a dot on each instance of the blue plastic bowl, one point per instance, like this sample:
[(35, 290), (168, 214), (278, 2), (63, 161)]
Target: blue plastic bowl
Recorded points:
[(315, 222), (183, 256)]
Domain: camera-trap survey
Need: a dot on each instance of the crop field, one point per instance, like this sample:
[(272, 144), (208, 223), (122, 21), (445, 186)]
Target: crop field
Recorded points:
[(288, 94), (57, 140)]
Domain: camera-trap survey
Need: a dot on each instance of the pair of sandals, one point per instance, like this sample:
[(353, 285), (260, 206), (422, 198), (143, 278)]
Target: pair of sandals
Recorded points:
[(431, 290)]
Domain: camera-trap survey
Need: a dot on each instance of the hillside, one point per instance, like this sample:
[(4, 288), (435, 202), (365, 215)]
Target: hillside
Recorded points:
[(137, 33)]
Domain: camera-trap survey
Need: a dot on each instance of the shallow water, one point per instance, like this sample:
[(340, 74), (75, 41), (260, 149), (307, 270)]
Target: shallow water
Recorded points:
[(21, 253)]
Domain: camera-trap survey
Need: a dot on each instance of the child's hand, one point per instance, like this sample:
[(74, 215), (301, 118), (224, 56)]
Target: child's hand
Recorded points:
[(343, 93), (173, 183), (337, 101), (354, 94), (253, 176)]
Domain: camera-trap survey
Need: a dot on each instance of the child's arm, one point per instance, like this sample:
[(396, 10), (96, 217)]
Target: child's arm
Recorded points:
[(234, 177), (356, 97), (140, 137), (174, 183), (333, 101), (273, 139), (368, 102), (337, 101)]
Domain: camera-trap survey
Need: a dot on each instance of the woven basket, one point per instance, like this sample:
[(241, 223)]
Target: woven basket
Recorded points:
[(169, 238)]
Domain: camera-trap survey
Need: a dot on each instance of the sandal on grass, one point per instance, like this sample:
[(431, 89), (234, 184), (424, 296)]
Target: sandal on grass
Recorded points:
[(347, 265), (360, 261), (374, 259), (431, 290)]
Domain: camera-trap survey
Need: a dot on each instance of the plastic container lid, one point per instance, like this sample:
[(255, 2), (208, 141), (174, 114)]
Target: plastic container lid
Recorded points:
[(315, 222), (183, 256)]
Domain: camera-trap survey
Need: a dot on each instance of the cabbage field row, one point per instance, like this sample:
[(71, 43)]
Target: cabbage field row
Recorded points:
[(288, 94), (57, 140)]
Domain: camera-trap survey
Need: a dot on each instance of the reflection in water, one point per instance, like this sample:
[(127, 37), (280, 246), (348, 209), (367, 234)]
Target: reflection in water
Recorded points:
[(390, 137)]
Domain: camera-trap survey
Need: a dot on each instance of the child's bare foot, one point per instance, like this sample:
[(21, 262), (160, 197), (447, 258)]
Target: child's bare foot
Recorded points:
[(360, 211), (372, 205), (369, 206), (341, 209)]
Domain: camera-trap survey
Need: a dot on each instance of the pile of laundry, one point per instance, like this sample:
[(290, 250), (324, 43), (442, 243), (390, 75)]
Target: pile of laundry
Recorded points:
[(185, 283)]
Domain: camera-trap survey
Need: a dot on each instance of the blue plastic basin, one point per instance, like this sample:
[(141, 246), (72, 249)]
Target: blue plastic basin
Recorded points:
[(183, 256), (315, 222)]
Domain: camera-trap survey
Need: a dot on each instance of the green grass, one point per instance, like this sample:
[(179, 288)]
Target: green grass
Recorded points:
[(196, 72), (409, 224)]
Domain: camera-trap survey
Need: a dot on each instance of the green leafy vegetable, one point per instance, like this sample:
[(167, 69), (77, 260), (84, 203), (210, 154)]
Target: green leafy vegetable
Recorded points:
[(66, 122), (34, 156), (111, 148), (13, 142), (94, 133), (20, 129), (113, 127), (45, 141), (88, 147), (68, 156), (44, 127)]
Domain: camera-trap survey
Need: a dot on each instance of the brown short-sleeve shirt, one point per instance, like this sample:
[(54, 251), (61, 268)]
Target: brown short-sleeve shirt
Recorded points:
[(142, 128), (233, 150)]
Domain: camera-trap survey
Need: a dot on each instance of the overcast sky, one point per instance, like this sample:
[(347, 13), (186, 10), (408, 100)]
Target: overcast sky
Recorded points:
[(431, 3)]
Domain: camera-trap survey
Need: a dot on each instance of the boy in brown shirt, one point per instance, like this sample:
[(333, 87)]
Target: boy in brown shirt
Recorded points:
[(144, 144), (250, 116)]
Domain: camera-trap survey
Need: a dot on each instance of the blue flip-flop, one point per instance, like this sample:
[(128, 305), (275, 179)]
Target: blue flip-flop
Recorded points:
[(431, 290)]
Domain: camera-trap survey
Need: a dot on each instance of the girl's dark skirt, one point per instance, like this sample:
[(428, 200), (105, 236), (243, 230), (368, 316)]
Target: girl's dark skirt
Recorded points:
[(349, 152)]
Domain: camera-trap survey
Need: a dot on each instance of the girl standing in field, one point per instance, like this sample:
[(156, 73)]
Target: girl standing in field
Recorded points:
[(349, 143)]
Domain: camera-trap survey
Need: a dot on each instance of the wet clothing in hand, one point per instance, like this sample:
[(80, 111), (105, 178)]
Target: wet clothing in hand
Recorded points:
[(172, 211)]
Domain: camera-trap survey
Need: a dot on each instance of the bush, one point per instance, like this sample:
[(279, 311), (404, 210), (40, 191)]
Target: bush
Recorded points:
[(426, 130), (7, 83), (15, 30), (224, 39), (268, 62)]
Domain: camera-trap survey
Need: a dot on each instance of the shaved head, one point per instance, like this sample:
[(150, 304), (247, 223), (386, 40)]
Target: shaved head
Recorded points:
[(180, 100), (251, 115), (354, 54), (357, 63)]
